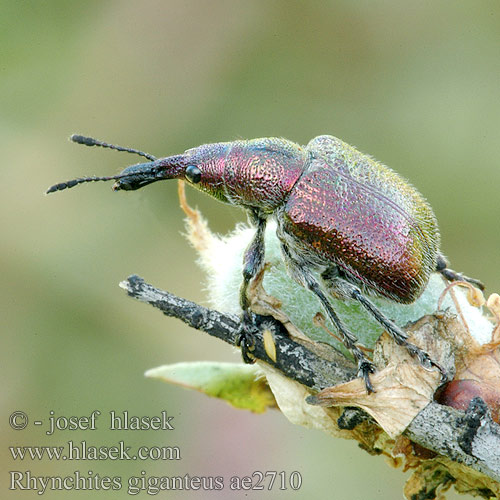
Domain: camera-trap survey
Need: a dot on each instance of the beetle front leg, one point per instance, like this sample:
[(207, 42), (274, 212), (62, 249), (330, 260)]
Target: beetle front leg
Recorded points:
[(253, 260)]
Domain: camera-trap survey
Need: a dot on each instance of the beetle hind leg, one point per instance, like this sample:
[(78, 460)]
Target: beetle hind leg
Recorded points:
[(399, 336), (365, 366), (450, 275), (306, 279)]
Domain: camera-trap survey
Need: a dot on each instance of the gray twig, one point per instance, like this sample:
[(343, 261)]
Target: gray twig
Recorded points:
[(471, 438)]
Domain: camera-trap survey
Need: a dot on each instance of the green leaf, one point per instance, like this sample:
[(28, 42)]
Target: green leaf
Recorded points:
[(240, 385)]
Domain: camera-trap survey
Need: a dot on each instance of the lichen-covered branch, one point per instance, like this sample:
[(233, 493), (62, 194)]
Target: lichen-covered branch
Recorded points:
[(470, 438)]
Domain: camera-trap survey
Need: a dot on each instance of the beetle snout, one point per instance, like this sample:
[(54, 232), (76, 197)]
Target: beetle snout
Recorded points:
[(126, 185), (138, 176)]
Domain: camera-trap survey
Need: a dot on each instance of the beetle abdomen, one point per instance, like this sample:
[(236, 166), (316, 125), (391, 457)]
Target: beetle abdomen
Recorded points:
[(351, 211)]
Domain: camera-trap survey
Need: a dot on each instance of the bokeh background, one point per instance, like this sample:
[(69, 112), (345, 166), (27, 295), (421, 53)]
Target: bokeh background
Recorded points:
[(415, 84)]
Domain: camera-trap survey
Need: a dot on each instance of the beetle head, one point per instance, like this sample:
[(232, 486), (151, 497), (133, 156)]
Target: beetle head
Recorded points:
[(202, 167), (256, 173), (199, 166)]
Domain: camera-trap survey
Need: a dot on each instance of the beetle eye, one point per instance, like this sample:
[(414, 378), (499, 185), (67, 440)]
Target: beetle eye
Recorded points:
[(193, 174)]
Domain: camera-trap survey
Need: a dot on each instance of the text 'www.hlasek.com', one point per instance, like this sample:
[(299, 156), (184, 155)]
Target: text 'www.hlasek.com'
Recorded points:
[(89, 455)]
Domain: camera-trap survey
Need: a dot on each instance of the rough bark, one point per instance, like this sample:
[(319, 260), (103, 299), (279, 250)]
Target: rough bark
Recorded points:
[(470, 438)]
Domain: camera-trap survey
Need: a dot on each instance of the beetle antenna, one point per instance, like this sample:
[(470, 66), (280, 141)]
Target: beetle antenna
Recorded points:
[(90, 141), (74, 182)]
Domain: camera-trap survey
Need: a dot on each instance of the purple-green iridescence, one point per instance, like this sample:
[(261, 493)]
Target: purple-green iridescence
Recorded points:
[(351, 211), (334, 207), (262, 172), (257, 173), (210, 159)]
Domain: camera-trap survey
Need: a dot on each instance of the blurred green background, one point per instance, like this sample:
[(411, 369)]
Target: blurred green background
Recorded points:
[(415, 84)]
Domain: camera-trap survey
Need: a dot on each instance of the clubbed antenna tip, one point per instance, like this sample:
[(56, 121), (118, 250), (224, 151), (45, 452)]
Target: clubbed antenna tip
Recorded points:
[(90, 141), (81, 139), (74, 182)]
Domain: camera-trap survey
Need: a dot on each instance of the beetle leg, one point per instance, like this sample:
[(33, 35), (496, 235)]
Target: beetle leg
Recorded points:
[(365, 366), (450, 275), (246, 339), (253, 260), (395, 332), (306, 279)]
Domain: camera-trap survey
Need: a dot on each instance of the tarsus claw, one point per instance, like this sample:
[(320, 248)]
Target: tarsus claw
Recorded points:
[(365, 367), (246, 339)]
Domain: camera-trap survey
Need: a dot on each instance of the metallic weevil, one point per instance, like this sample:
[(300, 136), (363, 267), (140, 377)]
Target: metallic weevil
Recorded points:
[(348, 225)]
